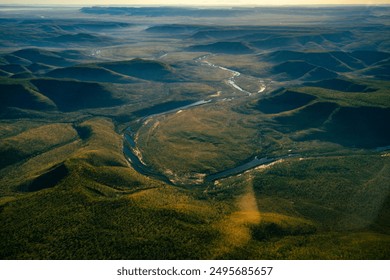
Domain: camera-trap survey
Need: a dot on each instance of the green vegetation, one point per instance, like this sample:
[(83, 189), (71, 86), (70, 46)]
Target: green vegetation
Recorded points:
[(312, 104), (286, 101)]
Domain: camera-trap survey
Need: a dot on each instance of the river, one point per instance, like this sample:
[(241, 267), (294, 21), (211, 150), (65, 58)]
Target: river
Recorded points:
[(134, 157), (234, 74), (131, 152)]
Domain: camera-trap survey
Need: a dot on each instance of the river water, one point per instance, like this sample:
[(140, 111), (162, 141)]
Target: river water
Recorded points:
[(234, 74), (130, 147), (132, 154)]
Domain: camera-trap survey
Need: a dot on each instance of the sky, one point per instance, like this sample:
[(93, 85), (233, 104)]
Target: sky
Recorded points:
[(193, 2)]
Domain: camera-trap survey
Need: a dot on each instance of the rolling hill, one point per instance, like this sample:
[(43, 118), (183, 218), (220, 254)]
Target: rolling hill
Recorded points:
[(371, 57), (90, 73), (311, 116), (43, 56), (222, 47), (174, 29), (291, 70), (81, 38), (342, 85), (23, 96), (334, 61), (362, 127), (13, 68), (285, 101), (75, 95), (39, 67), (4, 73), (143, 69), (380, 71)]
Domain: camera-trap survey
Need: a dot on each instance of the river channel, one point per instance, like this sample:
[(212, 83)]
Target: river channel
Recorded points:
[(134, 157)]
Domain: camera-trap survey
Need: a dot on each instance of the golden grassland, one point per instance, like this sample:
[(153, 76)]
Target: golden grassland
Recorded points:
[(104, 210), (39, 139), (380, 98)]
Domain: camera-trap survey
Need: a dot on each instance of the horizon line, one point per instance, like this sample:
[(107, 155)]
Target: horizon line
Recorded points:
[(195, 6)]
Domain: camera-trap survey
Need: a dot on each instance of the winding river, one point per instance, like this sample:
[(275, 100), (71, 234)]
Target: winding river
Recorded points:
[(131, 152), (255, 162), (234, 74), (134, 157)]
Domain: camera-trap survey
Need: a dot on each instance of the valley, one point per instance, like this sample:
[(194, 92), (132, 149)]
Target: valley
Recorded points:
[(186, 133)]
